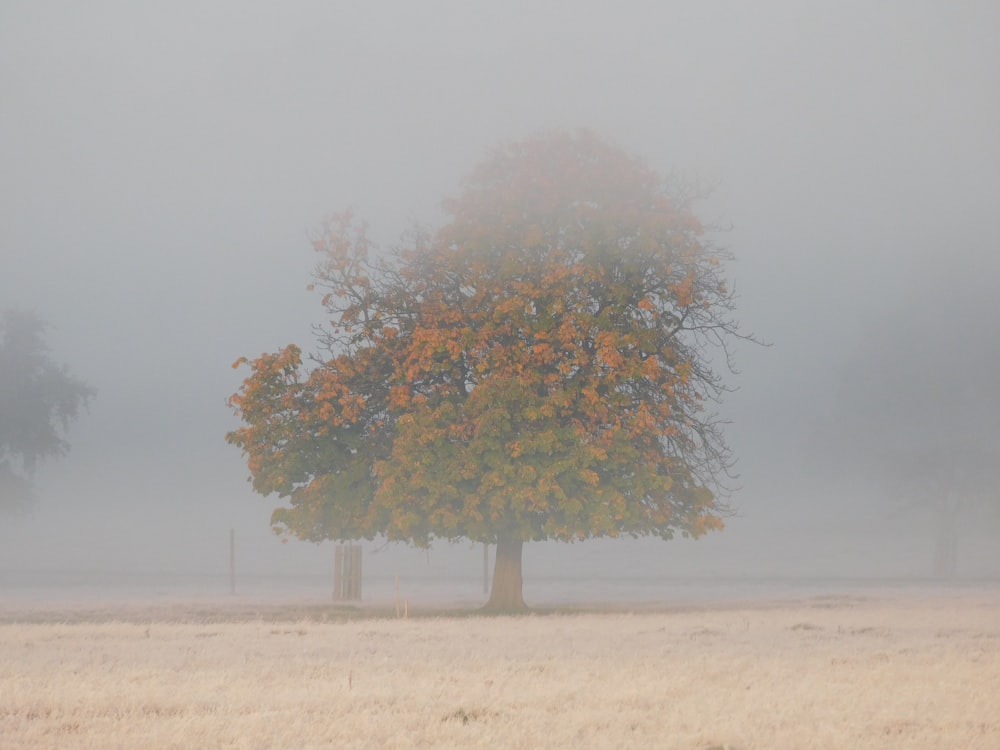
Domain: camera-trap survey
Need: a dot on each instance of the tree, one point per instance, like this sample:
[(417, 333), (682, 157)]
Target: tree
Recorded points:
[(38, 400), (917, 411), (536, 369)]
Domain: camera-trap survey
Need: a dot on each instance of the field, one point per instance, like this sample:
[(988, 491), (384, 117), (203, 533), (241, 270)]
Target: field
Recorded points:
[(835, 671)]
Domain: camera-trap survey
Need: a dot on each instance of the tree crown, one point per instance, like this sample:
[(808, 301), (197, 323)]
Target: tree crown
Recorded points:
[(536, 368), (38, 400)]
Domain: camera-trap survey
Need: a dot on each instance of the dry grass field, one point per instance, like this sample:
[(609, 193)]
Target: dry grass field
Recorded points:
[(825, 672)]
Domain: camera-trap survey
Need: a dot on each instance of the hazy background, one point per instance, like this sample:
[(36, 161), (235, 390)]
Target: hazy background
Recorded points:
[(161, 166)]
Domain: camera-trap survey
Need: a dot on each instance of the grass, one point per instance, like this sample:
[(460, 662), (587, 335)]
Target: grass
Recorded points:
[(916, 673)]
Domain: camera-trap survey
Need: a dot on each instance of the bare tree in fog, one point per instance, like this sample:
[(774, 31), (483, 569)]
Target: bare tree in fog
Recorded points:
[(536, 369), (919, 406), (38, 400)]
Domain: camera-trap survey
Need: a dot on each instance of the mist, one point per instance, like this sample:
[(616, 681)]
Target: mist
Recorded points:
[(161, 169)]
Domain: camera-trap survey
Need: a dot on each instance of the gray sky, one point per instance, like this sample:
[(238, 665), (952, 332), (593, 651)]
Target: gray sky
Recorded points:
[(161, 166)]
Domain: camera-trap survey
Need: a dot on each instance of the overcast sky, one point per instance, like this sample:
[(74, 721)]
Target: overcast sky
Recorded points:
[(162, 164)]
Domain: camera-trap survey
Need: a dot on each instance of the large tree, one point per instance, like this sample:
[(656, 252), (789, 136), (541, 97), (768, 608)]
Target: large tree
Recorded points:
[(537, 368), (38, 400)]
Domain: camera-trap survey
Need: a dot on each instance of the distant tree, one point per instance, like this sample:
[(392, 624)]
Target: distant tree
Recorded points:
[(918, 411), (536, 369), (38, 400)]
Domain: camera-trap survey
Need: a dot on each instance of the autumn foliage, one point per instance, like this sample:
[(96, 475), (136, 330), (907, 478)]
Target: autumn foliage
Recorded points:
[(534, 369)]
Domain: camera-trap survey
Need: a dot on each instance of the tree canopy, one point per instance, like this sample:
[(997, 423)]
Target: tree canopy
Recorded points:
[(537, 368), (38, 400)]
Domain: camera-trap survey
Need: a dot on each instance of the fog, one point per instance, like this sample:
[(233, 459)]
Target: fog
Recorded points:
[(161, 169)]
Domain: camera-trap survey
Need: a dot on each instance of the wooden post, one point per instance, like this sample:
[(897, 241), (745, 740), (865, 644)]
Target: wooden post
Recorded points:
[(232, 562)]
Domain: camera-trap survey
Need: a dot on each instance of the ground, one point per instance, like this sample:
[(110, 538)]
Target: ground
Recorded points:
[(908, 669)]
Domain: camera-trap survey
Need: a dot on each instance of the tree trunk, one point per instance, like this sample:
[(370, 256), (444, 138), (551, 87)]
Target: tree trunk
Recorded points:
[(506, 595), (946, 544), (946, 551)]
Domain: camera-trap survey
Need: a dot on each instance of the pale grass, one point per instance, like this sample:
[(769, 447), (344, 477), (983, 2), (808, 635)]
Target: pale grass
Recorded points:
[(836, 672)]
